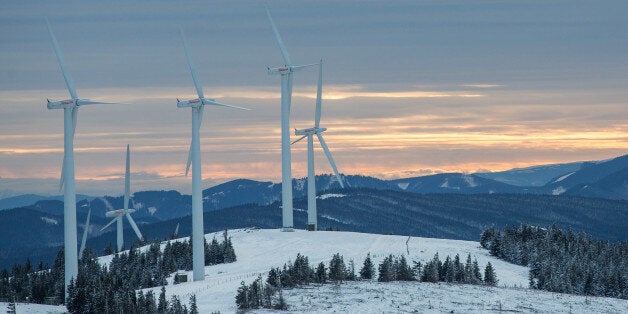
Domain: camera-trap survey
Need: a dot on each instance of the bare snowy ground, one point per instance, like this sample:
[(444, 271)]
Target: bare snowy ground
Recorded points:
[(422, 297), (33, 308), (259, 250)]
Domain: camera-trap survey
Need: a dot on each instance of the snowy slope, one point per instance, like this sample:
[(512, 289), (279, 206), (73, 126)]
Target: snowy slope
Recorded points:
[(424, 297), (259, 250)]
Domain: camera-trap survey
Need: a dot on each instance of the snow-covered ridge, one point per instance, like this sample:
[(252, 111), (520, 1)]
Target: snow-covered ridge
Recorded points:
[(329, 195), (49, 221), (258, 250), (563, 177)]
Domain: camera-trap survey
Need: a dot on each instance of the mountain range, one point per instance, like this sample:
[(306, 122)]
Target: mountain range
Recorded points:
[(449, 205)]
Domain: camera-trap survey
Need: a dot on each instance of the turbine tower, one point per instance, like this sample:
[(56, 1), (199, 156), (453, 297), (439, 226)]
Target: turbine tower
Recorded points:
[(121, 213), (286, 98), (70, 110), (194, 158), (309, 133)]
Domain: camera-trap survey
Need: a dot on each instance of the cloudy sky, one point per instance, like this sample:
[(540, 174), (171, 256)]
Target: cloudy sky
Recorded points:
[(411, 87)]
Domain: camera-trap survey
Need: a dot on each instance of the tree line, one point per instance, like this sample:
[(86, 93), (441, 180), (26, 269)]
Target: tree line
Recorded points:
[(111, 288), (561, 261), (268, 293)]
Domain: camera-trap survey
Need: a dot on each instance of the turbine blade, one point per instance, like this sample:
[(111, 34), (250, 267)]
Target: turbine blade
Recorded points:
[(84, 239), (319, 94), (284, 52), (331, 159), (107, 204), (109, 224), (188, 55), (301, 67), (74, 119), (127, 178), (302, 137), (66, 74), (214, 103), (62, 181), (201, 110), (187, 167), (89, 102), (133, 225)]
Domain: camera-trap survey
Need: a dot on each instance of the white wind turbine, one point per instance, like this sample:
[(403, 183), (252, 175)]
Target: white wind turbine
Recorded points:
[(119, 214), (286, 98), (85, 232), (309, 133), (194, 158), (70, 110)]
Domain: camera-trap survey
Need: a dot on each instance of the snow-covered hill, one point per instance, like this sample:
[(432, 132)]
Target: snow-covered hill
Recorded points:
[(260, 249)]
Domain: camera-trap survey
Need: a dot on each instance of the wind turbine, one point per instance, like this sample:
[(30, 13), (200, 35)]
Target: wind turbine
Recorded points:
[(119, 214), (194, 158), (85, 231), (70, 110), (309, 133), (286, 98)]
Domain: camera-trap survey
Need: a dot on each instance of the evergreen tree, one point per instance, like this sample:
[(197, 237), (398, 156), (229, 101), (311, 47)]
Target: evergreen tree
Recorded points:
[(337, 268), (321, 273), (162, 305), (386, 271), (489, 275), (193, 306), (242, 297), (11, 307), (367, 268)]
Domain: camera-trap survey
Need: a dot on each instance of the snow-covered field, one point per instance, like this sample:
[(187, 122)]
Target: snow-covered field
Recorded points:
[(21, 308), (423, 297), (259, 250)]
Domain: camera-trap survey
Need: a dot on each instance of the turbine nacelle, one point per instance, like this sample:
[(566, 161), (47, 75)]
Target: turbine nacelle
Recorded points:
[(118, 212), (308, 131), (195, 103), (62, 104), (288, 69)]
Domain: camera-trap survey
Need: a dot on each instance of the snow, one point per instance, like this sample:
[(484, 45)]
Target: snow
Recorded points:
[(331, 218), (445, 184), (152, 210), (423, 297), (329, 195), (470, 181), (563, 177), (49, 221), (35, 308), (260, 249), (403, 186), (299, 184), (558, 191)]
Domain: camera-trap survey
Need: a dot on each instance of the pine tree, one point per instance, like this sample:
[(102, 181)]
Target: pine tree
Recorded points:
[(11, 307), (321, 273), (489, 275), (477, 275), (242, 297), (337, 268), (367, 268), (386, 271), (162, 305), (193, 306)]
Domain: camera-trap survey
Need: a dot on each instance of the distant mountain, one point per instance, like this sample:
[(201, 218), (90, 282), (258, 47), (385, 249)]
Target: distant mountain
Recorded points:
[(457, 183), (532, 176), (29, 199), (612, 186), (453, 216), (589, 174)]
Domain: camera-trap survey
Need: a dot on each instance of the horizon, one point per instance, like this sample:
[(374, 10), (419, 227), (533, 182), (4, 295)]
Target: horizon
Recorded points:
[(409, 88)]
